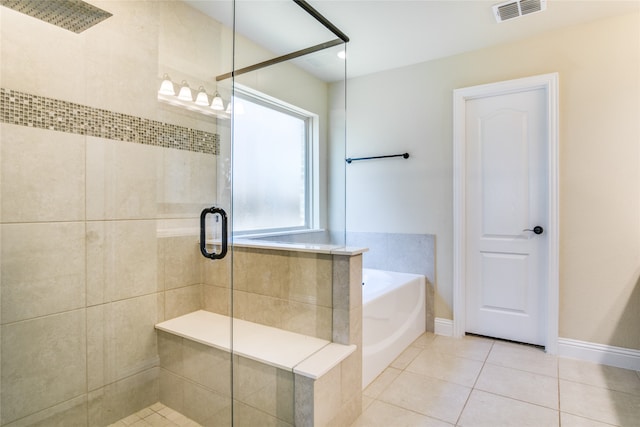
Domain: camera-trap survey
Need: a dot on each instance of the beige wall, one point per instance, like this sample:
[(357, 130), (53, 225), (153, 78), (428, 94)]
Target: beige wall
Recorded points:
[(599, 68)]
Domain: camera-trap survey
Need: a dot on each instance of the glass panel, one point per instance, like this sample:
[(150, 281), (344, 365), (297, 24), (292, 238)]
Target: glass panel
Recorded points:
[(312, 83), (102, 182), (288, 203)]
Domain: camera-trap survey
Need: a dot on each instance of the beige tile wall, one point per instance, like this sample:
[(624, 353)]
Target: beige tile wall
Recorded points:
[(283, 289), (337, 395), (43, 175), (84, 276), (335, 399), (122, 179), (43, 363), (192, 372), (119, 264), (119, 278), (42, 269), (347, 300), (81, 293)]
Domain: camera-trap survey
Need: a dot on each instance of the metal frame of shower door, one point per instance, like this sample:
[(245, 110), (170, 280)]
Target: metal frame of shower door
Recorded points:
[(342, 38), (321, 19)]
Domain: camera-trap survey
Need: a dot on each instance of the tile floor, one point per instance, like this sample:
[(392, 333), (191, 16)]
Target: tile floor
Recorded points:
[(442, 381), (156, 415)]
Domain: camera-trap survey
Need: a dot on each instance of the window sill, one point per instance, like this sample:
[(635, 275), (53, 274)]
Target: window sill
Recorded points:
[(278, 233)]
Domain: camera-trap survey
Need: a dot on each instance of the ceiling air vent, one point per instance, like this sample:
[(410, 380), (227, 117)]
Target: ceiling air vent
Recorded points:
[(514, 9)]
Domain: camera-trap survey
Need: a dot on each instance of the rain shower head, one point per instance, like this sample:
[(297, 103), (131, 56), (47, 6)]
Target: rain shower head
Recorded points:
[(72, 15)]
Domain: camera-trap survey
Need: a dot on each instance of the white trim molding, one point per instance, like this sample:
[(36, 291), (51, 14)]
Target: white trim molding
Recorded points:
[(548, 82), (443, 327), (599, 353)]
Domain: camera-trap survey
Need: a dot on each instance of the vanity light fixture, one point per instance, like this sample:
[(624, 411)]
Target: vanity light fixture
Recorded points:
[(184, 98)]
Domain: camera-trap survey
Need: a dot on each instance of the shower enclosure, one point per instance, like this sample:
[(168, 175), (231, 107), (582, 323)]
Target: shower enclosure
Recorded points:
[(136, 137)]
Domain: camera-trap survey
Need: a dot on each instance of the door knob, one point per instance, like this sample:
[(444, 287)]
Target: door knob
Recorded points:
[(537, 229)]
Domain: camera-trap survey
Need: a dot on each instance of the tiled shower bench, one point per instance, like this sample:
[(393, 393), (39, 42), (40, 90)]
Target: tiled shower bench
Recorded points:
[(280, 377)]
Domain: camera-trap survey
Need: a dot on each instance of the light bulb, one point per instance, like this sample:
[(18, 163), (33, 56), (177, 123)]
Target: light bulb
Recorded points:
[(217, 103), (185, 92), (166, 87), (236, 108), (202, 98)]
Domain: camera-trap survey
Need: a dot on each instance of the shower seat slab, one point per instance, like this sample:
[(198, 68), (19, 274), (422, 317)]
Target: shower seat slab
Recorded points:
[(302, 354)]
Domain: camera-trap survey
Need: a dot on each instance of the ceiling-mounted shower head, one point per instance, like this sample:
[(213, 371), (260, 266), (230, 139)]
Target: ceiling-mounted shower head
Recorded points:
[(72, 15)]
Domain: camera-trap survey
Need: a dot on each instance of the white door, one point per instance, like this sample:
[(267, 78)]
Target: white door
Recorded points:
[(506, 194)]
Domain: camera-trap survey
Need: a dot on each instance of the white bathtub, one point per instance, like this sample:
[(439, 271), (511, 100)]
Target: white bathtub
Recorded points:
[(393, 316)]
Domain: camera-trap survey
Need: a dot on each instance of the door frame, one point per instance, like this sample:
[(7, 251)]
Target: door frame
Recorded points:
[(548, 82)]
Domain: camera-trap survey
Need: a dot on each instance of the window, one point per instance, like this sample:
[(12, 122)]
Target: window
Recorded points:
[(272, 165)]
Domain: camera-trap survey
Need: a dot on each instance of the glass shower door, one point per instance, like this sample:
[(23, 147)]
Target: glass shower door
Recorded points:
[(109, 153), (286, 161), (195, 341)]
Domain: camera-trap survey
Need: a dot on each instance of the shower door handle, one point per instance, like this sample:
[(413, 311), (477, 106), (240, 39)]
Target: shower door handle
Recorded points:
[(203, 243)]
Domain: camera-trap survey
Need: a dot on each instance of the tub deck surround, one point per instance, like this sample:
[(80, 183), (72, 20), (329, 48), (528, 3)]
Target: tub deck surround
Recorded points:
[(301, 354), (409, 253), (294, 247), (298, 288)]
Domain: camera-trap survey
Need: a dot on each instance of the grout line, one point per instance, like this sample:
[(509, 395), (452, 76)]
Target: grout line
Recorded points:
[(86, 284), (408, 410), (628, 393), (486, 358), (484, 362), (521, 370), (559, 401), (513, 398), (604, 423), (517, 400), (466, 401), (397, 376)]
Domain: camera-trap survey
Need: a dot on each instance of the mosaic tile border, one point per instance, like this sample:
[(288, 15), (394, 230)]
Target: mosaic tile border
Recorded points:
[(24, 109)]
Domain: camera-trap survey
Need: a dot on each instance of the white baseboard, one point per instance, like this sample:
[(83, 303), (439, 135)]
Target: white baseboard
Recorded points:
[(598, 353), (620, 357), (443, 327)]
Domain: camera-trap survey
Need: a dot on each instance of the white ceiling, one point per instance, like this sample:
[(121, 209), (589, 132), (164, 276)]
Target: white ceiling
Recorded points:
[(387, 34)]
